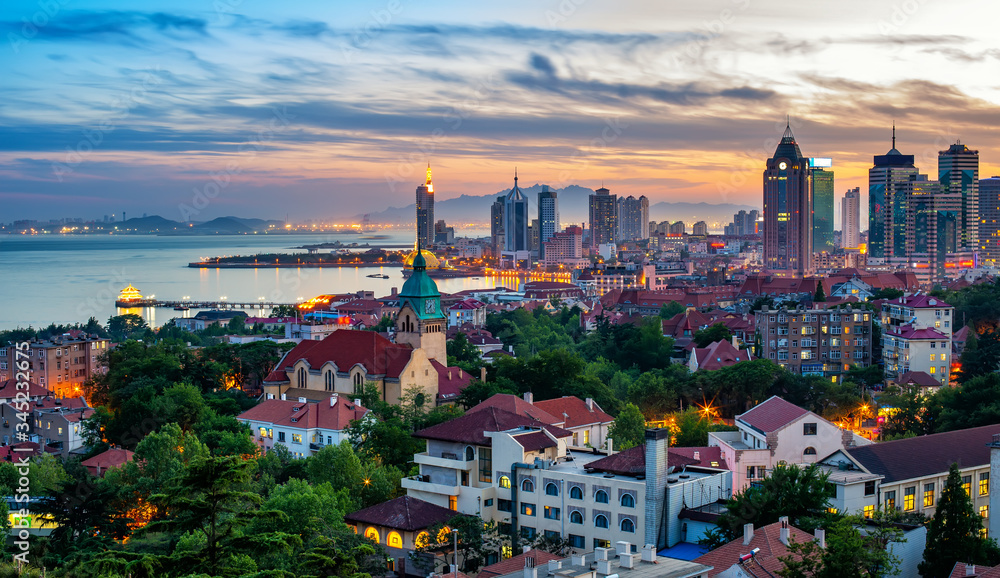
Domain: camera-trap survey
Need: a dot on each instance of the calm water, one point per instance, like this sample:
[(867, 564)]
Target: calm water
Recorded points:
[(67, 279)]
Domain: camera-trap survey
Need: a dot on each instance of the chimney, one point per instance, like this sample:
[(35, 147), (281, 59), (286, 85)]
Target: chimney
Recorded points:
[(394, 293), (657, 444), (590, 404), (333, 399), (783, 535), (578, 560), (482, 374), (302, 400), (529, 567), (357, 401), (554, 565), (449, 375), (821, 537), (970, 569), (697, 455), (284, 397), (648, 553), (529, 397), (747, 534)]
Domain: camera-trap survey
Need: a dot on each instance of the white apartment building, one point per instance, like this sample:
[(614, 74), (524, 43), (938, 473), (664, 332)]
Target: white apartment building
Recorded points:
[(920, 311), (906, 348), (302, 426)]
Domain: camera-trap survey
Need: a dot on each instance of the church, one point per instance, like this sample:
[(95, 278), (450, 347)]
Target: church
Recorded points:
[(346, 360)]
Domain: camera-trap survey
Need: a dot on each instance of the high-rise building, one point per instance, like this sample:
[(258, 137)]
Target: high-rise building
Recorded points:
[(932, 229), (517, 243), (496, 225), (603, 217), (958, 173), (822, 210), (534, 230), (548, 217), (565, 248), (443, 234), (887, 204), (677, 229), (633, 218), (425, 211), (989, 221), (700, 229), (788, 226), (850, 219)]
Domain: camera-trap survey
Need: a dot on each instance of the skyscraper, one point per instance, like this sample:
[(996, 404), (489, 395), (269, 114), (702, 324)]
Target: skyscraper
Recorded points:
[(603, 217), (989, 221), (425, 211), (932, 228), (517, 244), (497, 225), (633, 218), (850, 219), (958, 173), (788, 201), (548, 217), (822, 210), (887, 204), (700, 229)]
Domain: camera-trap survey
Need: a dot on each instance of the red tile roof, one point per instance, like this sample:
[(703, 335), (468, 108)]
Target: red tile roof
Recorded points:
[(632, 462), (8, 389), (516, 563), (772, 415), (306, 415), (959, 571), (467, 305), (895, 459), (708, 457), (375, 353), (720, 354), (767, 539), (571, 411), (451, 380), (515, 404), (57, 403), (403, 513), (11, 453), (535, 441), (919, 302), (908, 332), (113, 458), (470, 427), (921, 378)]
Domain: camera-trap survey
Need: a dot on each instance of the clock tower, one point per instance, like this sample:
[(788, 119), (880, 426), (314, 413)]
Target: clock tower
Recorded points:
[(420, 322)]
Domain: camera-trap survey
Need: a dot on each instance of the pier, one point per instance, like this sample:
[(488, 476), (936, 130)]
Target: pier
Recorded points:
[(191, 304)]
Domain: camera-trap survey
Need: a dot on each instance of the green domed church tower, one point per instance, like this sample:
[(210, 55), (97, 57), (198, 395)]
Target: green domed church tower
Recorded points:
[(420, 322)]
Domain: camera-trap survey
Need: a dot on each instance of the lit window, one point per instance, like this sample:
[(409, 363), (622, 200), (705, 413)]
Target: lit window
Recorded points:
[(933, 369), (869, 510), (453, 503), (909, 498), (967, 484), (551, 513), (504, 482), (928, 495), (890, 500), (394, 540), (528, 509), (984, 484), (297, 438), (372, 534)]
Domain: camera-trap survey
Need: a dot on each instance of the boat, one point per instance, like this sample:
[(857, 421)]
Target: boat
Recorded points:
[(181, 308), (377, 276)]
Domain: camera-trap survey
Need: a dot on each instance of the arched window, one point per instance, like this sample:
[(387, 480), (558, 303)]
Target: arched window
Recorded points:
[(551, 489), (422, 540), (444, 534), (527, 485), (372, 534), (601, 521), (575, 517), (575, 493), (504, 482), (394, 540), (328, 379), (810, 451), (302, 377), (628, 501), (601, 497), (628, 526), (470, 454)]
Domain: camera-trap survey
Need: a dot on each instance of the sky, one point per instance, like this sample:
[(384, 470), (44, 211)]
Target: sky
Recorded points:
[(323, 110)]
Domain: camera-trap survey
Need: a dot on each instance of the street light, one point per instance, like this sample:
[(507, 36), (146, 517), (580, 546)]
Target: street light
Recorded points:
[(454, 534)]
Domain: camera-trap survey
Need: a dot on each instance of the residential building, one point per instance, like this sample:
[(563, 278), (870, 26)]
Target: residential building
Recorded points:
[(823, 342), (958, 173), (700, 229), (822, 207), (61, 364), (717, 355), (58, 424), (919, 311), (907, 348), (548, 218), (677, 229), (425, 211), (443, 234), (768, 545), (517, 242), (205, 319), (603, 217), (633, 218), (989, 222), (788, 201), (565, 249), (467, 311), (850, 219), (303, 427), (584, 419), (776, 431), (887, 204), (104, 461)]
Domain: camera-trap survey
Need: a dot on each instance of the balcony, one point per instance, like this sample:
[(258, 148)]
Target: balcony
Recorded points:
[(422, 483), (441, 462)]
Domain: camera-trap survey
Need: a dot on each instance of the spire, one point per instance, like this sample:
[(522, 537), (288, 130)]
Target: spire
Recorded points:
[(788, 137), (893, 134), (515, 176)]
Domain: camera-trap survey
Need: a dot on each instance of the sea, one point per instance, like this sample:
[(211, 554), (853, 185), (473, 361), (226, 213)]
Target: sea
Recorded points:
[(69, 278)]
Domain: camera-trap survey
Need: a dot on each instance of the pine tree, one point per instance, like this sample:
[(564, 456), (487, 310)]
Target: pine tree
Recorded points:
[(820, 295), (954, 533)]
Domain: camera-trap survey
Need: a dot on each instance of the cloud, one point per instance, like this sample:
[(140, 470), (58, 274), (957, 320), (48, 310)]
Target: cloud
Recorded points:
[(111, 26)]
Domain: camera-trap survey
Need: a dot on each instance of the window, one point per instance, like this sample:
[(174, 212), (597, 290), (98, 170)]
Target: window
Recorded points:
[(302, 377), (296, 438), (551, 513), (929, 495), (488, 502), (576, 493), (870, 488), (909, 498), (575, 517), (551, 489), (601, 497), (504, 482), (372, 534), (394, 540), (423, 539), (527, 485), (967, 484), (328, 380), (628, 525), (809, 429), (453, 503), (869, 510), (984, 511), (486, 465), (628, 501), (528, 533), (576, 541), (281, 436), (503, 505), (263, 432), (890, 500), (527, 509), (601, 521), (601, 543), (470, 454), (809, 451), (984, 484)]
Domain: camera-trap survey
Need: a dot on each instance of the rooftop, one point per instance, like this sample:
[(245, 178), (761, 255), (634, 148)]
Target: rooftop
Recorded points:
[(937, 452), (766, 538), (403, 513), (471, 427), (772, 415), (918, 302)]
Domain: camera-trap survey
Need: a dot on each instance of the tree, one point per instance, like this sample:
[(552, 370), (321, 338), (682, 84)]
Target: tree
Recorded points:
[(628, 429), (123, 327), (848, 552), (476, 540), (819, 296), (693, 427), (954, 533), (285, 311), (671, 309), (718, 332)]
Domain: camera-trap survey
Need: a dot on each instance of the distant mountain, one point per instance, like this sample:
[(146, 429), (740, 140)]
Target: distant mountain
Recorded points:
[(155, 223), (220, 226), (573, 208)]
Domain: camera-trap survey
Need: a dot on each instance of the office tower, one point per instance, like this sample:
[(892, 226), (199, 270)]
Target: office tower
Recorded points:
[(958, 173), (822, 209), (700, 229), (788, 227), (677, 229), (517, 244), (603, 217), (443, 234), (850, 219), (548, 217), (932, 229), (565, 248), (633, 218), (989, 221), (887, 204), (496, 225), (425, 211), (534, 237)]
